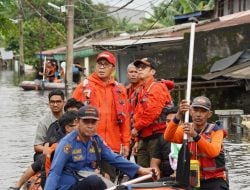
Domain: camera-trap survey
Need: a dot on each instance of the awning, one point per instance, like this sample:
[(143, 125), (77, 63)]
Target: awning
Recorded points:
[(81, 53), (226, 62), (240, 71), (84, 53)]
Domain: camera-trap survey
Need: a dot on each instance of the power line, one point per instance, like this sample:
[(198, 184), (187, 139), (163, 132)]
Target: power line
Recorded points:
[(124, 11), (126, 47), (109, 12)]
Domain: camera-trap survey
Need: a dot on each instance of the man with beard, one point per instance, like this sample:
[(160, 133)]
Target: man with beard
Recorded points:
[(56, 103)]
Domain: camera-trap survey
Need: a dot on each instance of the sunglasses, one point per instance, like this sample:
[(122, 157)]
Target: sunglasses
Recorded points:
[(142, 66), (101, 64)]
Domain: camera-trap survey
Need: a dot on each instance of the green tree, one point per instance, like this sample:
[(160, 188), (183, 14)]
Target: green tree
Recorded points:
[(8, 26), (38, 34), (163, 14)]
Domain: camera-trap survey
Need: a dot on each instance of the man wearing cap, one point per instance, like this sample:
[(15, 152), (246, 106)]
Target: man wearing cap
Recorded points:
[(102, 91), (152, 98), (81, 151), (205, 141)]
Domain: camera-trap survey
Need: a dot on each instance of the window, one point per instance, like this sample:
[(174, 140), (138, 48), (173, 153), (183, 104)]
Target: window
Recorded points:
[(230, 6), (244, 5), (220, 8)]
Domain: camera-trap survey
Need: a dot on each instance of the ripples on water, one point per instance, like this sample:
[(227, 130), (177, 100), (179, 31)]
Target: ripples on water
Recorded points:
[(19, 113)]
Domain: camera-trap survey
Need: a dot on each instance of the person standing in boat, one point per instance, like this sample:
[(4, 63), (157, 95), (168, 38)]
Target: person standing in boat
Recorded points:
[(102, 91), (205, 142), (39, 72), (132, 90), (77, 69), (148, 125), (81, 151), (56, 103), (50, 70)]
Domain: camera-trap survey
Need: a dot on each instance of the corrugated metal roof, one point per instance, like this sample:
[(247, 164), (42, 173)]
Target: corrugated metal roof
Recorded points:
[(226, 62), (241, 71), (128, 42), (225, 21)]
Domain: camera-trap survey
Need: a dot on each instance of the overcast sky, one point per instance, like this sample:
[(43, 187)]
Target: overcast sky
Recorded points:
[(136, 4)]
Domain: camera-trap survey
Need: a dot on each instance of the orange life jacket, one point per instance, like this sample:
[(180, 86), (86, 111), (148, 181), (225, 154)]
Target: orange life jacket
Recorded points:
[(118, 100), (159, 124), (48, 159), (210, 168), (34, 183)]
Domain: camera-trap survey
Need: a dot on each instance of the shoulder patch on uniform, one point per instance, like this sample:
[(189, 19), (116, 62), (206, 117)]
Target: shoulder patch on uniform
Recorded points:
[(67, 148)]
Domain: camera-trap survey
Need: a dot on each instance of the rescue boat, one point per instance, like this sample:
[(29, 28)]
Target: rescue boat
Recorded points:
[(41, 85)]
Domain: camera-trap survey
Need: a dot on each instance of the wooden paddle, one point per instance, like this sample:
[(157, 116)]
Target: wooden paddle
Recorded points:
[(44, 67), (183, 164)]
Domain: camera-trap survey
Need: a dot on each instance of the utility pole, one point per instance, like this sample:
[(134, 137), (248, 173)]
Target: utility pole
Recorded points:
[(70, 39), (20, 28)]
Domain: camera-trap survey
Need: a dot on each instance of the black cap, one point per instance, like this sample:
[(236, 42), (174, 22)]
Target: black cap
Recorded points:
[(88, 112), (201, 102), (146, 61)]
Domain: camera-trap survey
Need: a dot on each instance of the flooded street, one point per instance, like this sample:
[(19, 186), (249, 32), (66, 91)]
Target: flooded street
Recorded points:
[(20, 111)]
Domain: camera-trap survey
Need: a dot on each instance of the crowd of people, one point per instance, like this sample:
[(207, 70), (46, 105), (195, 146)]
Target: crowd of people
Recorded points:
[(54, 72), (84, 142)]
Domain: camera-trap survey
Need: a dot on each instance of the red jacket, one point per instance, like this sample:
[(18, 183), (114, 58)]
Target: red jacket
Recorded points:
[(152, 98), (102, 97)]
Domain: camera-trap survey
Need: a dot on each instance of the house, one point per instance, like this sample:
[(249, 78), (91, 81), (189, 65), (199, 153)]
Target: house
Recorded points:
[(216, 38), (226, 7), (5, 57)]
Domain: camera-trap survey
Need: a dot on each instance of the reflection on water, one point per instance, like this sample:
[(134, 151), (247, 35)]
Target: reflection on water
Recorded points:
[(20, 111)]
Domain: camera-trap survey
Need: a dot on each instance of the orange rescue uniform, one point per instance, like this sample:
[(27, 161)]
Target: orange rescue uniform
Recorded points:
[(209, 148), (102, 97), (152, 98)]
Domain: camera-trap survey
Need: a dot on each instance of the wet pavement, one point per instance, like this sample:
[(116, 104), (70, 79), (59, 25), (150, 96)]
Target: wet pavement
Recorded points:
[(20, 111)]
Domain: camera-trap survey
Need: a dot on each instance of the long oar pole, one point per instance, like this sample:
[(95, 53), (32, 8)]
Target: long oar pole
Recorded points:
[(44, 67), (183, 166), (136, 180), (190, 69)]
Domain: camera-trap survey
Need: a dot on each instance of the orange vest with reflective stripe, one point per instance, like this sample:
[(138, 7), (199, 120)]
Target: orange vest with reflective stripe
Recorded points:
[(210, 168)]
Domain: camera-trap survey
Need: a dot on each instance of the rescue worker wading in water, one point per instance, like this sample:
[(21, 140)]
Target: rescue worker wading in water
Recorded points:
[(102, 91)]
